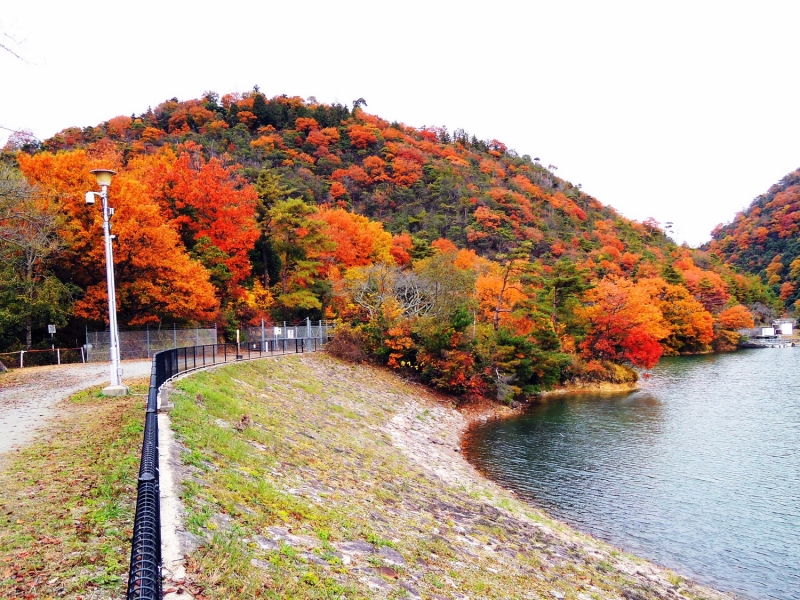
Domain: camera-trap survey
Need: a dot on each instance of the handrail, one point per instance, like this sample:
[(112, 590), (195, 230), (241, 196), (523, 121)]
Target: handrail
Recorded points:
[(144, 575)]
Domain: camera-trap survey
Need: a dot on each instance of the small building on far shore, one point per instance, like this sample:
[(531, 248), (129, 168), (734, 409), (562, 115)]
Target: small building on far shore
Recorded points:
[(784, 326), (780, 333)]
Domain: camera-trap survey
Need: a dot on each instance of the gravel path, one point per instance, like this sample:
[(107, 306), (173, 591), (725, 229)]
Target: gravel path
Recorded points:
[(29, 397)]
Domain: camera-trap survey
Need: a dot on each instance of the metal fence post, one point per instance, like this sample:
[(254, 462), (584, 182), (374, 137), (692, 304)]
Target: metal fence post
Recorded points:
[(148, 340), (174, 336)]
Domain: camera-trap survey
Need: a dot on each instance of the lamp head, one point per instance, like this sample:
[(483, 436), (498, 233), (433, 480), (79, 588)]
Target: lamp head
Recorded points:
[(103, 176)]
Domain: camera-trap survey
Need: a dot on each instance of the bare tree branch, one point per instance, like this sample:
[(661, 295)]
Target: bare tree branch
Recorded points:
[(10, 51)]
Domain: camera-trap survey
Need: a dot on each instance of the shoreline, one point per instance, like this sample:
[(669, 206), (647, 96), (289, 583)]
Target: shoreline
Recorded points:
[(380, 459), (454, 425), (485, 410), (603, 387), (479, 414)]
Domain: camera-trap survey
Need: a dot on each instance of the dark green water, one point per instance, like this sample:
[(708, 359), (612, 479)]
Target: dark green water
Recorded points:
[(698, 471)]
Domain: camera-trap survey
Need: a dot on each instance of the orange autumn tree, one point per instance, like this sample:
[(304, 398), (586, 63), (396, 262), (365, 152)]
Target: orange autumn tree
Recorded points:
[(729, 321), (155, 277), (691, 326), (707, 286), (357, 241), (625, 325), (209, 205)]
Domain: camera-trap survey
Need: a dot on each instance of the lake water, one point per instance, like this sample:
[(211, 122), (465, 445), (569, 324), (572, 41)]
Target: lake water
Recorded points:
[(699, 470)]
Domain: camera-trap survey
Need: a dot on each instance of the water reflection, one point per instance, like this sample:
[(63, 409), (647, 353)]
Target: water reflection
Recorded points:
[(697, 471)]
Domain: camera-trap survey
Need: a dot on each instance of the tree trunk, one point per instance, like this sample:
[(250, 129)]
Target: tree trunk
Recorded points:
[(498, 309), (555, 308), (29, 286), (266, 266)]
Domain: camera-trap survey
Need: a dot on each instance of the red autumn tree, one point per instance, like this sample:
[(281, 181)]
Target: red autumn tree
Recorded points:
[(401, 248), (204, 199)]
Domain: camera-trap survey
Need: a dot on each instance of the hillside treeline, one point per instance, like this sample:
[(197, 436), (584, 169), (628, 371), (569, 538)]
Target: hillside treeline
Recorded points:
[(764, 239), (452, 258)]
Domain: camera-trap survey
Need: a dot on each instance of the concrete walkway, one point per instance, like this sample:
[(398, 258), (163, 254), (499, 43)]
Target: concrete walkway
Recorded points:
[(28, 397)]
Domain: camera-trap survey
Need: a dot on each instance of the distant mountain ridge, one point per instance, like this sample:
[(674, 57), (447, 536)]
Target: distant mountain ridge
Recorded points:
[(429, 182), (764, 239)]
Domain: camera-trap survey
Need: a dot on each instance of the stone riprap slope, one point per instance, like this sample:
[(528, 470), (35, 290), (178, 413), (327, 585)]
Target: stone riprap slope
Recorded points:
[(307, 477)]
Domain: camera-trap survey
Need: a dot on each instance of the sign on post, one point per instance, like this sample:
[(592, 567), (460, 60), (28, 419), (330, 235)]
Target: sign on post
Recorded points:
[(51, 329)]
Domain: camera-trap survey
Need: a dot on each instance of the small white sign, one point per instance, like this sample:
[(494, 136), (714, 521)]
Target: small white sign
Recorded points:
[(277, 331), (290, 334), (51, 329)]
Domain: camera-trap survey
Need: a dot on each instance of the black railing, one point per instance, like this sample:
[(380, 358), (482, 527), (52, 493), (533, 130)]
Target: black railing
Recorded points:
[(144, 578)]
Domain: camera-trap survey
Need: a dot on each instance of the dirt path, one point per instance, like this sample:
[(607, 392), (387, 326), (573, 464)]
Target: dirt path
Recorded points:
[(28, 397)]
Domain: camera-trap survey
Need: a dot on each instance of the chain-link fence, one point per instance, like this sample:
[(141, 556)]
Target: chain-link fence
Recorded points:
[(287, 331), (143, 343)]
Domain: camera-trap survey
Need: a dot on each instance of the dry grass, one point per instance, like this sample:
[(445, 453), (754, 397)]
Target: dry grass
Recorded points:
[(67, 502)]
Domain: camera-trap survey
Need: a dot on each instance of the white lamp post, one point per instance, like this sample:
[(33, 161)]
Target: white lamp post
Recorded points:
[(104, 180)]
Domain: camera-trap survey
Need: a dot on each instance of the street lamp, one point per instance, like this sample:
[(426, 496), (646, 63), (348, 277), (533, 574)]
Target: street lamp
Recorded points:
[(104, 180)]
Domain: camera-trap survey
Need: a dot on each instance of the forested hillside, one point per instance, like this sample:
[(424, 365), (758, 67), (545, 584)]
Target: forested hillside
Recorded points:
[(765, 239), (452, 258)]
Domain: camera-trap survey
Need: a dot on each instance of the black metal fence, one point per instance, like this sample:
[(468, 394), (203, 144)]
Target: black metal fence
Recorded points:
[(144, 578)]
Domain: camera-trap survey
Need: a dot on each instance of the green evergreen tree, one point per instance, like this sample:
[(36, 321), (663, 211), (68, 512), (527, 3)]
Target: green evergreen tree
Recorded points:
[(271, 189)]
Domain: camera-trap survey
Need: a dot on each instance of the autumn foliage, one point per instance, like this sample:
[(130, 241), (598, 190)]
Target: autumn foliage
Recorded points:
[(625, 325), (450, 258), (155, 276), (764, 239)]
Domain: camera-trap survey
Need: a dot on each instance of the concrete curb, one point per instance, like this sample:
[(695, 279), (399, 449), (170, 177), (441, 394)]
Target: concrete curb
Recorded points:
[(174, 546)]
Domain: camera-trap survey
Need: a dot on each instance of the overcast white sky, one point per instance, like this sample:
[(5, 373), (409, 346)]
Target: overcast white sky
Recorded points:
[(681, 111)]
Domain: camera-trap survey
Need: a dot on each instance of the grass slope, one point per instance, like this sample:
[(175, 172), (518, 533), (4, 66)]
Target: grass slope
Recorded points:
[(310, 478)]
